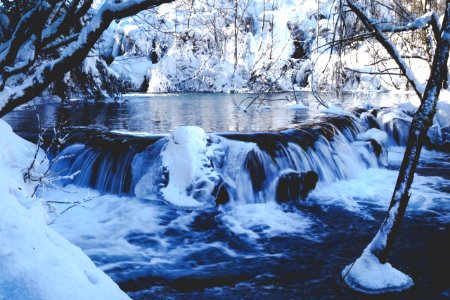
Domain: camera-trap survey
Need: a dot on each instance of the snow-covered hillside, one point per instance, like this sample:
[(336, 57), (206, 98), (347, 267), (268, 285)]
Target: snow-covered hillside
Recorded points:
[(254, 46)]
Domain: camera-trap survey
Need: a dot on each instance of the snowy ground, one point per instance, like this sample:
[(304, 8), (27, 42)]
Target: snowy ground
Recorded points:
[(35, 261)]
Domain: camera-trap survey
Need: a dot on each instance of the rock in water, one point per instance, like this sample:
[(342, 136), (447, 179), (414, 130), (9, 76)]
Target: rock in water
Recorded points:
[(221, 194), (255, 167), (293, 186)]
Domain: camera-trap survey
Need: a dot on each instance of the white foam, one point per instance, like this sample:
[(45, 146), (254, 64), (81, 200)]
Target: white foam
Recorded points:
[(259, 220), (373, 188)]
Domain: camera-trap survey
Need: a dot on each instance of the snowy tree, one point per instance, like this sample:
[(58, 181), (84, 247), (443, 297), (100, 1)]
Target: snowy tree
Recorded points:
[(49, 39), (371, 272)]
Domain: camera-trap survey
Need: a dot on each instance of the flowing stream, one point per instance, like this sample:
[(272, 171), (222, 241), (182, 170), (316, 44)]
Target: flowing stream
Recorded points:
[(200, 211)]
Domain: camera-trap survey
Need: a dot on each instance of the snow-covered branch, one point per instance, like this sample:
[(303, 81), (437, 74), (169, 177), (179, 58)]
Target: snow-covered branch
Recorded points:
[(23, 32), (74, 51), (378, 29), (58, 26), (421, 22)]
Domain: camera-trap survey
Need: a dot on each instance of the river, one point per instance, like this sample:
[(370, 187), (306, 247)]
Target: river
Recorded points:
[(253, 246)]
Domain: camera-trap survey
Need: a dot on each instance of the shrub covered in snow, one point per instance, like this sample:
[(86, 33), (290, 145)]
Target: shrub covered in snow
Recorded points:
[(258, 46)]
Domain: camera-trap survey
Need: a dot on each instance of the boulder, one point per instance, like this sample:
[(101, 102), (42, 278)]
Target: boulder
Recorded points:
[(221, 194), (293, 186)]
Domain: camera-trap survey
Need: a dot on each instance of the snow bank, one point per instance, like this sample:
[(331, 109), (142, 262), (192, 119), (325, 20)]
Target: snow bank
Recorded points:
[(35, 261), (369, 276)]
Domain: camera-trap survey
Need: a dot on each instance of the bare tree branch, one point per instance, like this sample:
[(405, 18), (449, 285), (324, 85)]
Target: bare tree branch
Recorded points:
[(388, 45), (72, 55)]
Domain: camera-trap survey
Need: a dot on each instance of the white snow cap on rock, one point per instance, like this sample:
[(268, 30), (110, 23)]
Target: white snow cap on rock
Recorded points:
[(373, 134), (35, 261), (184, 157)]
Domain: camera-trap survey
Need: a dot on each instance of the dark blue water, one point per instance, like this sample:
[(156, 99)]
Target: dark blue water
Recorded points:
[(248, 250)]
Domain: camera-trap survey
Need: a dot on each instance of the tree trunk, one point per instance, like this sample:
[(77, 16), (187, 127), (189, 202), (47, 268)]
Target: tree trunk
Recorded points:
[(235, 34), (383, 241)]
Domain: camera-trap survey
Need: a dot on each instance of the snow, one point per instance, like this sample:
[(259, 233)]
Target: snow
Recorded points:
[(36, 262), (132, 68), (334, 110), (373, 134), (369, 276), (185, 158)]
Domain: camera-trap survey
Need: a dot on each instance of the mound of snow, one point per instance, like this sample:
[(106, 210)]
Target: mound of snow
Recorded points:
[(373, 134), (186, 160), (369, 276), (35, 261)]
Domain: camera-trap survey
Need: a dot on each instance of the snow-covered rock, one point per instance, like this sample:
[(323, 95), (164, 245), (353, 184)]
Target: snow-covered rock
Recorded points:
[(373, 134), (184, 156), (179, 169)]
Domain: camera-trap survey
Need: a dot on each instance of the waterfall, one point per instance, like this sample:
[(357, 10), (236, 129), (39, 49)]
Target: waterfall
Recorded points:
[(192, 169), (108, 171)]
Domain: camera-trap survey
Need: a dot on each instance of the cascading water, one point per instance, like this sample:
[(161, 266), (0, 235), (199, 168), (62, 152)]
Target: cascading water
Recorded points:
[(256, 244), (106, 171), (192, 169)]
